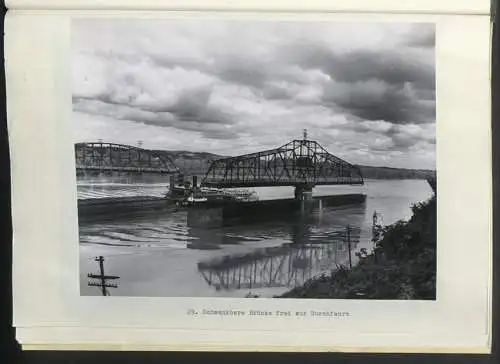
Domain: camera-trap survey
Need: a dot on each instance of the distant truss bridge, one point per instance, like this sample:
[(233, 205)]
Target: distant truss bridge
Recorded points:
[(111, 157)]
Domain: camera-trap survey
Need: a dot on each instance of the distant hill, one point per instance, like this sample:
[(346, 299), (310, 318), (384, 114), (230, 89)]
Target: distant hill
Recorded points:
[(197, 163), (186, 155), (190, 162), (194, 162), (370, 172)]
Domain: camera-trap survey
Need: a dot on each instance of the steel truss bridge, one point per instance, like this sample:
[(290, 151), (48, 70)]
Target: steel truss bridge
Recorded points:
[(287, 266), (110, 157), (298, 163)]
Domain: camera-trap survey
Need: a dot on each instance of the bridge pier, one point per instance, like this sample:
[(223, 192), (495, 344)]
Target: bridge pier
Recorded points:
[(303, 192), (303, 195)]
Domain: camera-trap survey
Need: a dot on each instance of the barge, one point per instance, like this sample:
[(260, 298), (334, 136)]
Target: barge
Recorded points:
[(207, 207)]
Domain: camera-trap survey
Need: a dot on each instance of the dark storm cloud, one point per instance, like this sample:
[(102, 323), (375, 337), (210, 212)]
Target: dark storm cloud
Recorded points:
[(105, 106), (191, 113), (404, 89), (423, 36), (365, 87), (393, 66), (372, 85), (404, 76), (379, 100), (245, 71), (194, 107), (403, 139)]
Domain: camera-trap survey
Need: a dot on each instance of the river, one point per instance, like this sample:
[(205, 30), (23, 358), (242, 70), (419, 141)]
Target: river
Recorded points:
[(160, 255)]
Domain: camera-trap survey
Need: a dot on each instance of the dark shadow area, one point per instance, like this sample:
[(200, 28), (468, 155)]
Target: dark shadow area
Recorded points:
[(10, 347)]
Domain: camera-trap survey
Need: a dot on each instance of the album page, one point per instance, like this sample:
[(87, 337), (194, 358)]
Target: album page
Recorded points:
[(219, 176)]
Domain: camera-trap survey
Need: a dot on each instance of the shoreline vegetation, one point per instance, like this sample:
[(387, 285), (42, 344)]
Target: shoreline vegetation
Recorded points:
[(401, 266)]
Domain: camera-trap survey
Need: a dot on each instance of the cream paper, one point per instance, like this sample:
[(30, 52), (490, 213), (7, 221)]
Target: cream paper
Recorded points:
[(340, 6), (48, 308)]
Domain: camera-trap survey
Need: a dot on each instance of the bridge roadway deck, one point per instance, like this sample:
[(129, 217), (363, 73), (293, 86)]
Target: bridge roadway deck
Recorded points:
[(126, 169), (266, 183)]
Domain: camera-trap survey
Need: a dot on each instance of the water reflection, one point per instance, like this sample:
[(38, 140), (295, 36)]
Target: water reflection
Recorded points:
[(156, 252), (320, 242)]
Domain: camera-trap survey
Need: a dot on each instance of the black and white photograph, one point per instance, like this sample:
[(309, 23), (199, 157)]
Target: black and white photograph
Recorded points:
[(219, 157)]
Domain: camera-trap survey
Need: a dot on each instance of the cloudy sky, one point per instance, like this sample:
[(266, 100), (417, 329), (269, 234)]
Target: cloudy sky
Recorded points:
[(366, 92)]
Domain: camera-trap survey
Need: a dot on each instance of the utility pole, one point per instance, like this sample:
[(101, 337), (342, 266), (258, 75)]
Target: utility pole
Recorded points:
[(375, 226), (375, 218), (375, 233), (349, 245), (102, 278)]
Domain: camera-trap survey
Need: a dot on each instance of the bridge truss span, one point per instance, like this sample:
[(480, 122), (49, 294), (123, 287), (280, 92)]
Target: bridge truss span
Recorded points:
[(300, 162), (111, 157)]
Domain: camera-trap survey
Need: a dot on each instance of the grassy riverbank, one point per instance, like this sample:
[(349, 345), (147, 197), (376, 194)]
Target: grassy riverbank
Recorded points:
[(402, 265)]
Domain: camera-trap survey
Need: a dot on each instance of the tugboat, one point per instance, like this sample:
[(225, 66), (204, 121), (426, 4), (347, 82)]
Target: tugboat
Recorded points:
[(211, 196), (189, 194)]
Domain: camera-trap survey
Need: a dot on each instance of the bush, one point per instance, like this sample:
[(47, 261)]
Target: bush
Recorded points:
[(402, 265)]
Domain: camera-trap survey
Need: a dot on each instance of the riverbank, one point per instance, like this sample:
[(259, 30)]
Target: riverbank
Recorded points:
[(402, 265)]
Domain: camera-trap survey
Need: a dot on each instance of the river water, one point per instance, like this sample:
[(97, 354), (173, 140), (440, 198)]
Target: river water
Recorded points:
[(160, 255)]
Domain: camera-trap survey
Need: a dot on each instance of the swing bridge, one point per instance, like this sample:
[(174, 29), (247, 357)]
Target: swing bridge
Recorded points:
[(302, 164)]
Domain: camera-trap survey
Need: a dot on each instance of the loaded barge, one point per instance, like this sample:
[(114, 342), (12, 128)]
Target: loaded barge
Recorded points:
[(212, 214), (207, 207), (212, 207)]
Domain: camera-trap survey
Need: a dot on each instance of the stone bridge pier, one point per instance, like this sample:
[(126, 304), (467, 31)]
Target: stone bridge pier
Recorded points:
[(303, 196), (303, 192)]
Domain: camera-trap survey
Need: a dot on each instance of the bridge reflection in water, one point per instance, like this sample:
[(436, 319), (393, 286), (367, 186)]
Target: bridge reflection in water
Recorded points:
[(320, 243)]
